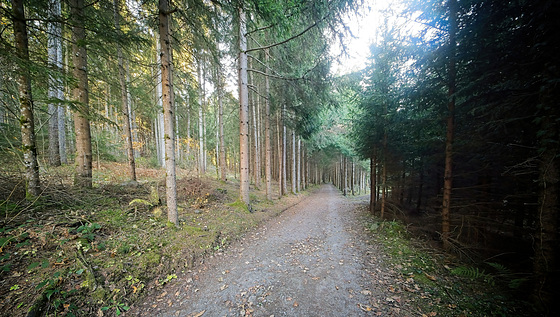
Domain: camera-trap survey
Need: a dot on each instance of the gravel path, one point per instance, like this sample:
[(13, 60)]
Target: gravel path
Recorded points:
[(313, 260)]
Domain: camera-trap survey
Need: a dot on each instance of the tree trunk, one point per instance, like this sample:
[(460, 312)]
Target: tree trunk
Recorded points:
[(420, 188), (284, 153), (280, 155), (293, 175), (222, 147), (243, 111), (352, 180), (124, 97), (83, 176), (298, 181), (373, 178), (27, 123), (201, 165), (254, 103), (267, 141), (55, 85), (160, 142), (448, 172), (384, 176), (62, 130), (167, 99)]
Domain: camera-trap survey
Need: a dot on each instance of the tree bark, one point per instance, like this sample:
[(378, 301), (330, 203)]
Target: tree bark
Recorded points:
[(27, 123), (284, 153), (298, 178), (345, 177), (267, 141), (448, 171), (83, 176), (222, 147), (243, 111), (62, 130), (201, 163), (352, 176), (294, 158), (373, 178), (124, 97), (160, 142), (55, 85), (168, 109)]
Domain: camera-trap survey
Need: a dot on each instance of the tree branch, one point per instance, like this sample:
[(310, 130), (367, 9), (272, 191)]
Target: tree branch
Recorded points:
[(288, 39), (274, 76)]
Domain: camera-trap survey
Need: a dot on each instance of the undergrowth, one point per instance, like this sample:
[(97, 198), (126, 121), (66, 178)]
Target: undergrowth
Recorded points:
[(94, 252), (437, 285)]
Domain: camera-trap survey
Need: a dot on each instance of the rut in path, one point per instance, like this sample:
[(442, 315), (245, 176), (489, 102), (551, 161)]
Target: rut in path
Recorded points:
[(310, 261)]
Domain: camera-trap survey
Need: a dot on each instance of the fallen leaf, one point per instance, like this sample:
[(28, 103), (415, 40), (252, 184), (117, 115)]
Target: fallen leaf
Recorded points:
[(199, 314), (365, 307), (431, 277)]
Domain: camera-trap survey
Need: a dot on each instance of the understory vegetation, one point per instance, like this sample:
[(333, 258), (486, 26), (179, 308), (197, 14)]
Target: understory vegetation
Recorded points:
[(84, 252), (431, 283)]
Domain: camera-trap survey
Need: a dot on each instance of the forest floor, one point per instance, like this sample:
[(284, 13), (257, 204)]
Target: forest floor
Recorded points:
[(109, 251)]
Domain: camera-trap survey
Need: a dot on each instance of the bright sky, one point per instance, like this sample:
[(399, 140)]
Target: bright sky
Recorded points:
[(365, 29)]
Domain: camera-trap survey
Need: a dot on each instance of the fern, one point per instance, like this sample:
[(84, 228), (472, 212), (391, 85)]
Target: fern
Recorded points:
[(507, 276), (473, 273), (501, 269)]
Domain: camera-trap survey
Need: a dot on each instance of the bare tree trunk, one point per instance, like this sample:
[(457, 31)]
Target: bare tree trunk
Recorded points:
[(352, 180), (267, 141), (243, 111), (124, 97), (280, 154), (62, 130), (167, 97), (298, 178), (188, 130), (294, 158), (384, 176), (83, 176), (27, 124), (284, 153), (55, 85), (222, 148), (256, 143), (201, 165), (132, 116), (160, 142), (345, 176), (448, 172), (373, 178)]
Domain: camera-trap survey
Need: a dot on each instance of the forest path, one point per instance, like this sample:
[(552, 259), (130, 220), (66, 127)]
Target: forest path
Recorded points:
[(312, 260)]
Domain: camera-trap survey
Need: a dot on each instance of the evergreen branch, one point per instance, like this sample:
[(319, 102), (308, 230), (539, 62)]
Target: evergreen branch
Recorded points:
[(273, 76), (260, 29), (251, 87), (290, 38)]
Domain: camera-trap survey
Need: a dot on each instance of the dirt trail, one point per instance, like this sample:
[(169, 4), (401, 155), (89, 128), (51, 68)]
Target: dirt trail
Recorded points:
[(312, 260)]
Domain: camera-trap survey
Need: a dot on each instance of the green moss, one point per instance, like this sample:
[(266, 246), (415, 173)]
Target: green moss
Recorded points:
[(99, 294), (239, 205)]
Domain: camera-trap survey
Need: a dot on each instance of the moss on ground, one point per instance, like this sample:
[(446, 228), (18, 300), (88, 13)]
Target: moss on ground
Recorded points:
[(86, 252)]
